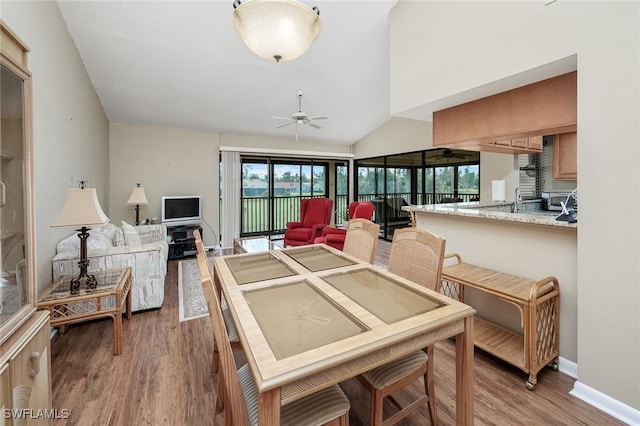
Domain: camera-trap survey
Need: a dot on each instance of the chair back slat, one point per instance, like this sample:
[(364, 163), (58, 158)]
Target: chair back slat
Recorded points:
[(234, 398), (361, 239), (417, 255), (199, 243)]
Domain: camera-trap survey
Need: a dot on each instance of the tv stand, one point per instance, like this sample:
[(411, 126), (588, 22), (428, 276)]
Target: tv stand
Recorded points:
[(182, 243)]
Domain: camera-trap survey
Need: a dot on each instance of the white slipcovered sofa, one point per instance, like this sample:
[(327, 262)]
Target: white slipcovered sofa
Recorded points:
[(143, 248)]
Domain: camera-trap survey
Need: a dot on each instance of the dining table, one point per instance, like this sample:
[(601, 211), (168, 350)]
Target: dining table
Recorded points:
[(312, 316)]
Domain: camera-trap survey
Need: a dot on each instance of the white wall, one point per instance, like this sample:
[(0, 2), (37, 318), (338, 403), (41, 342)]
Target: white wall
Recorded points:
[(165, 161), (70, 129), (442, 49)]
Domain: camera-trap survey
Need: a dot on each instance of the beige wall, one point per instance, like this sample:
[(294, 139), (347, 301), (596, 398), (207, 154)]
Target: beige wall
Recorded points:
[(397, 135), (279, 146), (433, 59), (70, 129), (165, 161), (519, 249), (169, 161)]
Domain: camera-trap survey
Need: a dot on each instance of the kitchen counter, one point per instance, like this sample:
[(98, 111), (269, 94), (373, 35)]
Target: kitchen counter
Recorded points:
[(493, 211), (529, 245)]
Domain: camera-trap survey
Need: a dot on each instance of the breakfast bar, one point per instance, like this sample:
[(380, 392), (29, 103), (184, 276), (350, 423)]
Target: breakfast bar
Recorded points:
[(529, 245)]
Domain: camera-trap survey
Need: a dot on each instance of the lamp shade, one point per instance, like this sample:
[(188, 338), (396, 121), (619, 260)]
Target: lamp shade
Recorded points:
[(137, 196), (81, 208), (279, 30)]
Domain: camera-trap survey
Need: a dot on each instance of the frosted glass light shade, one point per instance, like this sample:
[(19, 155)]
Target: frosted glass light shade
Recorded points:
[(279, 30), (81, 208), (137, 196)]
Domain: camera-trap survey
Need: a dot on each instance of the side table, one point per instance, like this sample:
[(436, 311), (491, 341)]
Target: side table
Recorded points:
[(107, 300)]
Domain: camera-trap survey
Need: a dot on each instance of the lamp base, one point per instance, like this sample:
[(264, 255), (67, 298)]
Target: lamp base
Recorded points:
[(86, 281)]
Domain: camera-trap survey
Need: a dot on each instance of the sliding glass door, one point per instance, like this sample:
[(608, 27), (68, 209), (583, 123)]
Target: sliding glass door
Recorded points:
[(272, 189)]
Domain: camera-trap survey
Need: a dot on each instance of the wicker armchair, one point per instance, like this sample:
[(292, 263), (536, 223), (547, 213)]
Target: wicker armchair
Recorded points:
[(361, 239), (417, 255)]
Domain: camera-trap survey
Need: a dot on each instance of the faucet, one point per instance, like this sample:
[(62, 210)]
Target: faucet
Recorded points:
[(517, 204)]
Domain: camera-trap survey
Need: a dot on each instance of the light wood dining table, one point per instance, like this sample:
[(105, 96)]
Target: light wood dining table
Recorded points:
[(309, 317)]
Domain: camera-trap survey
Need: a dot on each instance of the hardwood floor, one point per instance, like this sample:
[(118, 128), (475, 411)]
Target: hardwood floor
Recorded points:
[(163, 377)]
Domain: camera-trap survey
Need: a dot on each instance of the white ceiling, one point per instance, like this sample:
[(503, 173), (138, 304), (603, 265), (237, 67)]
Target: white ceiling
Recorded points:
[(181, 64)]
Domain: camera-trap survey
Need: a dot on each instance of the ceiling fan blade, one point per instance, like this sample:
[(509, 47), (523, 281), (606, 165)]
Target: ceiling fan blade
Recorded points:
[(286, 124), (314, 125), (281, 118), (319, 117)]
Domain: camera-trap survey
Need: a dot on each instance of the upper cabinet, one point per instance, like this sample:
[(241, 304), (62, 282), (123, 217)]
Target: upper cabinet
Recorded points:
[(512, 121), (565, 156), (17, 227)]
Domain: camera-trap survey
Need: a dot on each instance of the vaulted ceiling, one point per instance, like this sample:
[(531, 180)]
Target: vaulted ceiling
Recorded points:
[(181, 64)]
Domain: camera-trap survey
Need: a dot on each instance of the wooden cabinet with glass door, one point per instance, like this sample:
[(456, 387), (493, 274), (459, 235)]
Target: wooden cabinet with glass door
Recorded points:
[(24, 334)]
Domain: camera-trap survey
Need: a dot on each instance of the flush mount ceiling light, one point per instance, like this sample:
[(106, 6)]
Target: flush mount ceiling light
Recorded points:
[(279, 30)]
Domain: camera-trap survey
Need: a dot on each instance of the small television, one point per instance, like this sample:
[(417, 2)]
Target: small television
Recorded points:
[(181, 209)]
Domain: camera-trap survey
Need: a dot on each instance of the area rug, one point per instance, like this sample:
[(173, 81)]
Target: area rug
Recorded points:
[(192, 303)]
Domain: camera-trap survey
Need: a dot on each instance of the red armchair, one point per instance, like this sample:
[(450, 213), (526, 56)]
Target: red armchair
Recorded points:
[(315, 214), (335, 236)]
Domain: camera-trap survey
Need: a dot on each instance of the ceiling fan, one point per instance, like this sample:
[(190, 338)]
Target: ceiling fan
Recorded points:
[(301, 117), (447, 153)]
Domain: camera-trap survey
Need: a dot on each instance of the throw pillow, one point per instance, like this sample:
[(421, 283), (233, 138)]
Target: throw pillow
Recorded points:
[(131, 237), (118, 238), (96, 241)]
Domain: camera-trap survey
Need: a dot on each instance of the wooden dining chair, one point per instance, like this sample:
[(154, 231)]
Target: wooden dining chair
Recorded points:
[(329, 405), (230, 325), (361, 239), (417, 255)]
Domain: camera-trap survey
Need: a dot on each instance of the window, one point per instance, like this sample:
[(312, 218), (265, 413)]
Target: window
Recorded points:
[(423, 177), (272, 189)]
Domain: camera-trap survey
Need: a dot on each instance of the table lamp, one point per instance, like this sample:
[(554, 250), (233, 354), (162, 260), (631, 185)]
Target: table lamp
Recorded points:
[(81, 209), (137, 197)]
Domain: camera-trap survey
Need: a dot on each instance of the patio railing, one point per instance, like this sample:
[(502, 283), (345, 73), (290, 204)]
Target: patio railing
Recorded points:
[(255, 210)]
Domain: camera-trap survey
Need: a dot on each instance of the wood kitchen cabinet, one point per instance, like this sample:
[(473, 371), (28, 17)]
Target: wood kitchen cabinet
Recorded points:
[(565, 156), (528, 145)]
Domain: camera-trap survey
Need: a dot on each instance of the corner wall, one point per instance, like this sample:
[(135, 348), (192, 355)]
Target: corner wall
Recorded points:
[(70, 129), (442, 49)]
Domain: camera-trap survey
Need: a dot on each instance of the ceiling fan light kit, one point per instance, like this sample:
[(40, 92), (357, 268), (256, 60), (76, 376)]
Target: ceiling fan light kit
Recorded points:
[(279, 30), (301, 117)]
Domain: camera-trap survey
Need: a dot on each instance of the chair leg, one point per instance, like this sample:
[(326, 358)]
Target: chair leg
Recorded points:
[(344, 420), (215, 361), (377, 406), (220, 402), (429, 386)]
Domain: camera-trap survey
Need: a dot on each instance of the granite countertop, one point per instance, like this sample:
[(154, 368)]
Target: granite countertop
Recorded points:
[(494, 212)]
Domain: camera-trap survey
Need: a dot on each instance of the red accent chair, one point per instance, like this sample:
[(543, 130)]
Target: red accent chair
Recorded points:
[(315, 214), (334, 237)]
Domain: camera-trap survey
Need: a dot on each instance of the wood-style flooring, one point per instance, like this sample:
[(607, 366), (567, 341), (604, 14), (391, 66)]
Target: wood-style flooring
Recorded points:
[(163, 377)]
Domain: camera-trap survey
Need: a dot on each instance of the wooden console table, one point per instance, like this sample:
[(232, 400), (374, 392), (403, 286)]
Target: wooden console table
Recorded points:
[(107, 300), (538, 303)]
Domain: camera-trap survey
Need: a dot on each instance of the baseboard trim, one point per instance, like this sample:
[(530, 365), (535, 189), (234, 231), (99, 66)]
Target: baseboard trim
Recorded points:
[(54, 331), (615, 408), (569, 368)]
